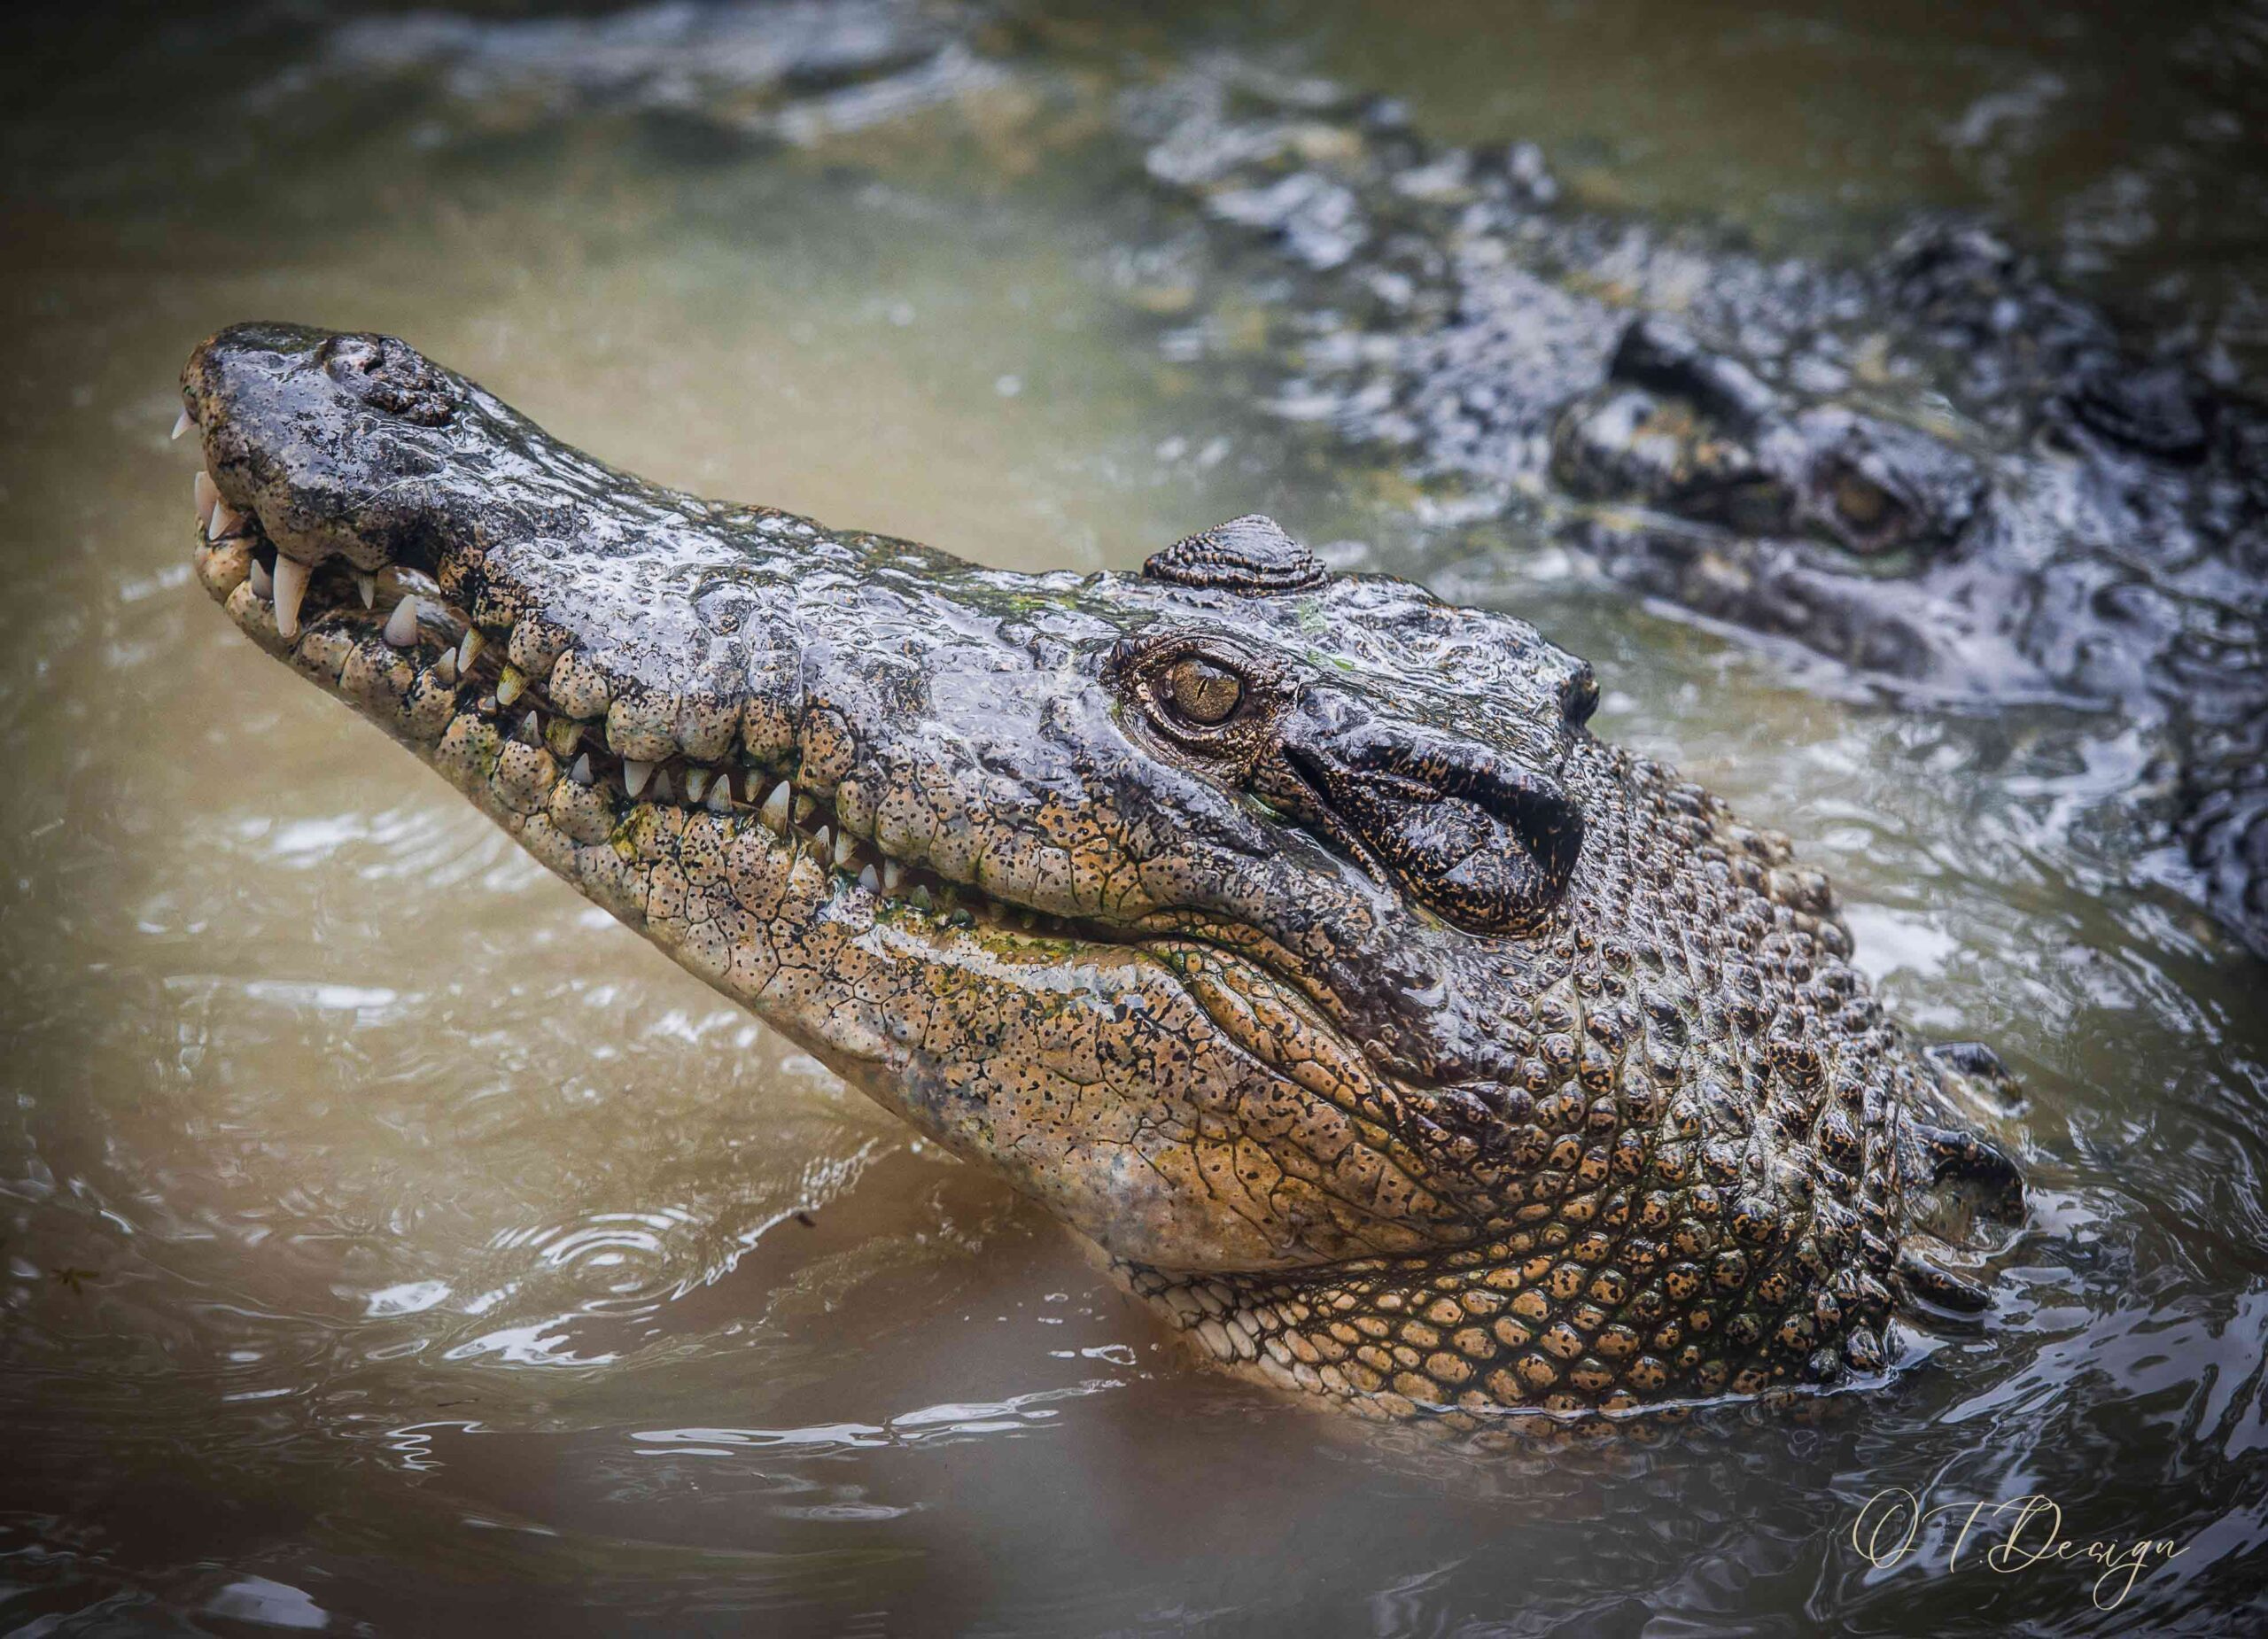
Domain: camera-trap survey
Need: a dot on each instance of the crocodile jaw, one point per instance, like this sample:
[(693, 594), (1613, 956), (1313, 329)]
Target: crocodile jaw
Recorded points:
[(891, 801), (716, 817)]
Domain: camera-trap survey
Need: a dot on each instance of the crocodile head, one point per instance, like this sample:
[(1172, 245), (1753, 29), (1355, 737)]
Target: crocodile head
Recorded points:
[(1287, 934)]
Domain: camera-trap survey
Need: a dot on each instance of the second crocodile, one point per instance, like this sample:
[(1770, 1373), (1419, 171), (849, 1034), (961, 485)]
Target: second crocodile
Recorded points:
[(1935, 467)]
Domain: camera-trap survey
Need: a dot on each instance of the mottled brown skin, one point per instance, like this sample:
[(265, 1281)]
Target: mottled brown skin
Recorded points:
[(1286, 934)]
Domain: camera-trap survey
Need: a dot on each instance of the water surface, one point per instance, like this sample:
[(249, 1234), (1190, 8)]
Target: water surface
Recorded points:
[(390, 1242)]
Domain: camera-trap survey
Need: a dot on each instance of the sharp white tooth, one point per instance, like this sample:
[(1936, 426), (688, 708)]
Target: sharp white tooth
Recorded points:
[(806, 806), (774, 811), (291, 578), (183, 423), (662, 786), (509, 685), (822, 846), (401, 626), (368, 586), (208, 497), (846, 849), (445, 667), (721, 797), (581, 772), (263, 584), (635, 775), (893, 873), (868, 881), (224, 520), (531, 729), (468, 650), (697, 784)]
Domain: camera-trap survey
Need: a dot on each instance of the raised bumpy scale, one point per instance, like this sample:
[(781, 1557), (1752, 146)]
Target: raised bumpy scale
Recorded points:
[(1287, 934)]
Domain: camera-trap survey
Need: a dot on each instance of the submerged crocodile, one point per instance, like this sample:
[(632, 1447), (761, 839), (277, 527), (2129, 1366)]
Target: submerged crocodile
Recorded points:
[(1286, 934), (1936, 467)]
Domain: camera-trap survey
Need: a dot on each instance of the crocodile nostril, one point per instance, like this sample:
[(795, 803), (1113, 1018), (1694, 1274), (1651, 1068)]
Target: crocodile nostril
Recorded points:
[(390, 375)]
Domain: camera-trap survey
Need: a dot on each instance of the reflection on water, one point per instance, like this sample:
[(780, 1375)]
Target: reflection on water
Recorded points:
[(381, 1225)]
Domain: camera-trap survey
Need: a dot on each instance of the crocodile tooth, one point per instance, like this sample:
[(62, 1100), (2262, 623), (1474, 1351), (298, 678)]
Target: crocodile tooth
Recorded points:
[(223, 521), (563, 734), (367, 586), (207, 497), (581, 772), (531, 729), (806, 806), (720, 796), (263, 584), (634, 774), (662, 786), (291, 578), (181, 423), (846, 849), (401, 626), (697, 784), (868, 881), (509, 685), (468, 650), (920, 897), (822, 846), (774, 811), (893, 873), (445, 667)]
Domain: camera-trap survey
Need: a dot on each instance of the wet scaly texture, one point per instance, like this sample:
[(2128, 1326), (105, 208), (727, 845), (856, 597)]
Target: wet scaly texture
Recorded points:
[(1936, 465), (1289, 936)]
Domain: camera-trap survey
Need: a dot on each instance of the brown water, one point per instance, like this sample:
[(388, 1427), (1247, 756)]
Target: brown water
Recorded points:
[(389, 1242)]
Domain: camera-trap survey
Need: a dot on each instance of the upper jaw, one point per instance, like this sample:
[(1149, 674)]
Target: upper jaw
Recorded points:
[(661, 646), (592, 592)]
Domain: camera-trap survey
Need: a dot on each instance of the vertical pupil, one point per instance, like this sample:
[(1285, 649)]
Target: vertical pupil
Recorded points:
[(1202, 692)]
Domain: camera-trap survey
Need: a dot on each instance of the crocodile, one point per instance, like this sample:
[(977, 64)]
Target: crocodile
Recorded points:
[(1934, 466), (1287, 934)]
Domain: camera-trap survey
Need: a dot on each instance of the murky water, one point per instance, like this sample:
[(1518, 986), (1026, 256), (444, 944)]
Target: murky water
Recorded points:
[(390, 1242)]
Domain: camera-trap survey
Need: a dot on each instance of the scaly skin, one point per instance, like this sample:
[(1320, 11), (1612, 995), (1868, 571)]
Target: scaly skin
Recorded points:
[(1287, 936), (1936, 467)]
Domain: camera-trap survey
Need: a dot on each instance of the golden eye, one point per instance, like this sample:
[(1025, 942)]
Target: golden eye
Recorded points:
[(1201, 692)]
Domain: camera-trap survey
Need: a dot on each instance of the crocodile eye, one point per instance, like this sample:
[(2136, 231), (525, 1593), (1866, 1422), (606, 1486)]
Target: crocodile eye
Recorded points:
[(1209, 697), (1201, 693)]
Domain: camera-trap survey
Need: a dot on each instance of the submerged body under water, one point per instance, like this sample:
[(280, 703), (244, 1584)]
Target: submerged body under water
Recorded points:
[(381, 1227)]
